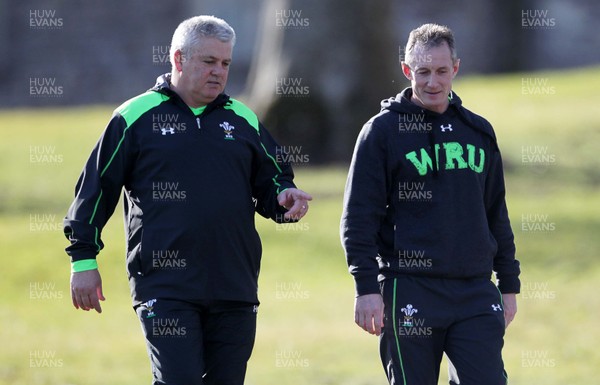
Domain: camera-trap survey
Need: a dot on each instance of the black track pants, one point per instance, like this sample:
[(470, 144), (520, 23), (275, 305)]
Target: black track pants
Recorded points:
[(425, 317), (198, 344)]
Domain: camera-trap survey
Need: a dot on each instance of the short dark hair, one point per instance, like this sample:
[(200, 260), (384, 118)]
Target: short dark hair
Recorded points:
[(427, 36)]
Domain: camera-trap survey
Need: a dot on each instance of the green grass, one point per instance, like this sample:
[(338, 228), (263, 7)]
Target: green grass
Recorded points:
[(552, 341)]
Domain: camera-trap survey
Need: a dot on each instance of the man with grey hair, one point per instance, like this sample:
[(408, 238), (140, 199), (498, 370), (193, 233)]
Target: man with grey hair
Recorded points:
[(194, 166), (425, 225)]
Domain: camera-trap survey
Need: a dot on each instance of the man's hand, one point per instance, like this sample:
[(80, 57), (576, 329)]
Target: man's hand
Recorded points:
[(295, 201), (86, 290), (368, 313), (510, 307)]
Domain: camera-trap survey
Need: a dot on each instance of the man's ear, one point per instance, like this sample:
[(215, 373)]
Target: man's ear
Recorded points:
[(406, 71), (455, 67), (178, 60)]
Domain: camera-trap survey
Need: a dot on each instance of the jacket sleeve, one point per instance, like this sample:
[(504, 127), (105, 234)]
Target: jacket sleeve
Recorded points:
[(271, 176), (96, 194), (365, 202), (505, 265)]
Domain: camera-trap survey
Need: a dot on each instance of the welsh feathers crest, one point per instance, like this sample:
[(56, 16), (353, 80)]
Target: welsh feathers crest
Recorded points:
[(409, 310), (149, 305), (228, 129)]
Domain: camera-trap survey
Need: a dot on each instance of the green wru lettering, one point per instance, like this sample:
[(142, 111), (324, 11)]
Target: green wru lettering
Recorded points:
[(454, 152)]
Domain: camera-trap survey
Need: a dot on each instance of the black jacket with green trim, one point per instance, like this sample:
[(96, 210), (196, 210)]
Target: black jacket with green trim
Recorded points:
[(192, 183), (425, 196)]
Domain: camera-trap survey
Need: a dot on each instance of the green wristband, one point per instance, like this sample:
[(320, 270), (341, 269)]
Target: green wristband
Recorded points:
[(84, 265)]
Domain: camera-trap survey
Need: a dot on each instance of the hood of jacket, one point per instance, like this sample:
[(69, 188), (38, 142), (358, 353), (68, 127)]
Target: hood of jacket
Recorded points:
[(163, 86), (402, 104)]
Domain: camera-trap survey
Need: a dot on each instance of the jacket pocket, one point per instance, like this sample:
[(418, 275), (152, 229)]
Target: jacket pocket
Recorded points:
[(135, 264)]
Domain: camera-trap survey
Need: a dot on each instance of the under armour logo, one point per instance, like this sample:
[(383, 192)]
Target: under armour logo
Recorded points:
[(497, 307), (444, 129), (255, 309), (170, 130)]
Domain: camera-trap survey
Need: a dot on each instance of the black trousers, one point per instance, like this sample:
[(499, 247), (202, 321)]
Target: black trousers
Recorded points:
[(425, 317), (204, 343)]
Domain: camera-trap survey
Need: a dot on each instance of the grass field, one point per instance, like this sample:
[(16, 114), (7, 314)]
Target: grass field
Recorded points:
[(306, 333)]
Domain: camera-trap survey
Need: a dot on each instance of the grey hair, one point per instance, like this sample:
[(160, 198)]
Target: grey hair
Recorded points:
[(189, 33), (428, 36)]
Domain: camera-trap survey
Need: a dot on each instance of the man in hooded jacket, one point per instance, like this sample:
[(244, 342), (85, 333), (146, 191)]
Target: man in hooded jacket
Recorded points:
[(194, 166), (425, 224)]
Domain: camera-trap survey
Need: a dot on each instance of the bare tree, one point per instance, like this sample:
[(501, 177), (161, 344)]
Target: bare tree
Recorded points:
[(321, 70)]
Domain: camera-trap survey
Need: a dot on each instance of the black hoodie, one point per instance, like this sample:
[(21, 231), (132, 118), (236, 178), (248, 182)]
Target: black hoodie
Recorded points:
[(425, 196), (192, 181)]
